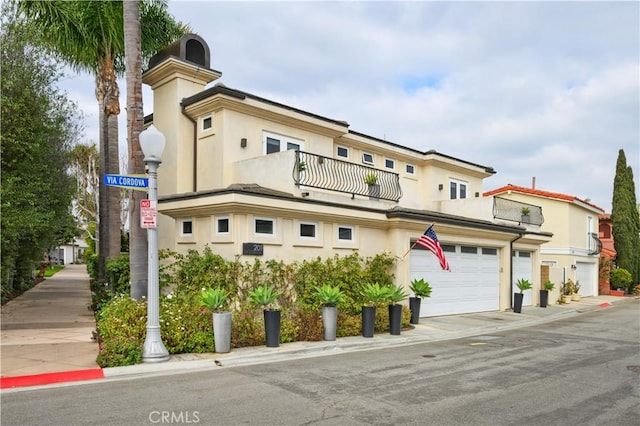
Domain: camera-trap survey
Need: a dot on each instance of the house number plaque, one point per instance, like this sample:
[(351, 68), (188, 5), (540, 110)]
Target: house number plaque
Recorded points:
[(253, 249)]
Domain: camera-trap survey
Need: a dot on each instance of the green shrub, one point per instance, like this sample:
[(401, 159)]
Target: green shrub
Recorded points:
[(621, 278), (118, 274)]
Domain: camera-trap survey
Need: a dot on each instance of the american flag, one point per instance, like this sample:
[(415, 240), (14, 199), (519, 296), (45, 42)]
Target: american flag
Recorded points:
[(430, 241)]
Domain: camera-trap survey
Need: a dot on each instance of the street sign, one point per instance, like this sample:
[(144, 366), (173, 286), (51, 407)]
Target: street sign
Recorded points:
[(148, 214), (136, 182)]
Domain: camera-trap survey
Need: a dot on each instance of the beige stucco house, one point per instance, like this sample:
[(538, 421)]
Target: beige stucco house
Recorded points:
[(252, 177), (574, 250)]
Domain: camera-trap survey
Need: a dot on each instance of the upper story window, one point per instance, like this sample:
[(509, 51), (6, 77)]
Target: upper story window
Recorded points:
[(186, 227), (410, 169), (457, 189), (342, 152), (389, 163), (367, 158), (276, 143), (590, 240), (207, 123)]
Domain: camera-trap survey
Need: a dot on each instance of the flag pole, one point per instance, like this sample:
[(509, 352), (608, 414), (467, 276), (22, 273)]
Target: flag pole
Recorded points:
[(414, 244)]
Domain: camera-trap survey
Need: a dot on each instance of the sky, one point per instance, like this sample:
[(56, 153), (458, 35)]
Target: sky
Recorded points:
[(549, 90)]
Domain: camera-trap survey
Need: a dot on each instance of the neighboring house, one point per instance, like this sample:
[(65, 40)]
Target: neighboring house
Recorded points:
[(250, 177), (575, 246), (608, 253), (71, 252)]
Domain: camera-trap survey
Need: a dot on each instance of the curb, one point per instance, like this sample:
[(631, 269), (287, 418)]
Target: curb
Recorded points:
[(51, 378), (192, 362)]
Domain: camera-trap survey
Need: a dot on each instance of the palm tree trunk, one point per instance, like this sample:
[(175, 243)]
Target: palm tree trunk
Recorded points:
[(138, 254)]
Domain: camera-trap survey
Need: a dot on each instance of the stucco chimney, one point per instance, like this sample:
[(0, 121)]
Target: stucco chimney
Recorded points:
[(533, 182)]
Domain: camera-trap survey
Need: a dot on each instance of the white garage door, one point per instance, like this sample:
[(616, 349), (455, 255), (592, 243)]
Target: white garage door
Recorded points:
[(471, 286), (522, 268), (586, 274)]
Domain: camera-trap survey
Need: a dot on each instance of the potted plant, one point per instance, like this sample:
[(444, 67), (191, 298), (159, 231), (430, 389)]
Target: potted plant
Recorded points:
[(395, 295), (216, 299), (265, 296), (330, 297), (522, 285), (371, 179), (373, 294), (524, 213), (420, 289), (544, 293), (575, 296), (302, 166), (372, 182)]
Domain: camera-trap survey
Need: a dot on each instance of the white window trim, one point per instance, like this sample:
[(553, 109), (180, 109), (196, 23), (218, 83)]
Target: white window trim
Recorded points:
[(393, 163), (284, 140), (589, 232), (182, 221), (260, 234), (373, 158), (353, 233), (303, 237), (458, 182), (216, 219), (342, 147), (202, 123), (413, 173)]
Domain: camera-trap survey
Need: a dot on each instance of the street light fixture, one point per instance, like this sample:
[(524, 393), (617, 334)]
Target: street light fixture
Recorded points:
[(152, 144)]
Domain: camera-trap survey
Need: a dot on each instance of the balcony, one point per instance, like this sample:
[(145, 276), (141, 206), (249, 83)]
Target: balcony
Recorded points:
[(317, 171), (516, 211)]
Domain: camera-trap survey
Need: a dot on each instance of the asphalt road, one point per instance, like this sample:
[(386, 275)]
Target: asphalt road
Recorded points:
[(579, 371)]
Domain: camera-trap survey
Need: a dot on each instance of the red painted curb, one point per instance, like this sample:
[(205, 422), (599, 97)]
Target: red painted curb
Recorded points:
[(604, 304), (49, 378)]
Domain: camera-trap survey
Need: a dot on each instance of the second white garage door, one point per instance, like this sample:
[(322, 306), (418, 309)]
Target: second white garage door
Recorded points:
[(471, 286)]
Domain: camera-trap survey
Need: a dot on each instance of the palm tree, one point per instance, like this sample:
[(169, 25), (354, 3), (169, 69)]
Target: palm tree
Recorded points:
[(89, 36), (138, 250)]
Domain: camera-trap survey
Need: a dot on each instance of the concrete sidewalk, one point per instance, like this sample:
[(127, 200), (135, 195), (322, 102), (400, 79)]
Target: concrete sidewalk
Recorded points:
[(46, 335), (49, 327)]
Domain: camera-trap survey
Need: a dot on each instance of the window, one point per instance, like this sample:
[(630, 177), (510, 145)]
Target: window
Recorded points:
[(207, 123), (389, 164), (345, 233), (186, 227), (590, 240), (276, 143), (457, 189), (367, 158), (448, 248), (264, 226), (489, 251), (410, 169), (222, 225), (343, 152), (308, 230), (469, 250)]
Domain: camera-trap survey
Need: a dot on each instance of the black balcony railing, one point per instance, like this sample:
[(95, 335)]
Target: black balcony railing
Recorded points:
[(516, 211), (317, 171)]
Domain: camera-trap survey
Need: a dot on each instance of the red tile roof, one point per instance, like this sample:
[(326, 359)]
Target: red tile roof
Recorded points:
[(539, 193)]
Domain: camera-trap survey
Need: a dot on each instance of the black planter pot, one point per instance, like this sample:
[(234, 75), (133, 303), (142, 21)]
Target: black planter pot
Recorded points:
[(414, 305), (395, 319), (517, 302), (544, 298), (368, 321), (272, 328)]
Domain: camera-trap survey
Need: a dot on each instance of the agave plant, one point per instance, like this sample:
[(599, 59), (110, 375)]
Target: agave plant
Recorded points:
[(264, 295), (395, 294), (420, 288), (214, 298), (374, 293), (329, 295)]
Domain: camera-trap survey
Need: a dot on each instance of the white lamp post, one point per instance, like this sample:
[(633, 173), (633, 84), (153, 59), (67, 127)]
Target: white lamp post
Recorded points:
[(152, 144)]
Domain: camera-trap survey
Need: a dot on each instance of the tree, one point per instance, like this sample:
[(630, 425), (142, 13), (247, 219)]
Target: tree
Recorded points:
[(39, 125), (84, 168), (89, 36), (625, 219), (138, 250)]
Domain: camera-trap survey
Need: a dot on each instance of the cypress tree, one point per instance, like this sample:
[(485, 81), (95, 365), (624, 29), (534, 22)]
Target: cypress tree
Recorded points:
[(625, 219)]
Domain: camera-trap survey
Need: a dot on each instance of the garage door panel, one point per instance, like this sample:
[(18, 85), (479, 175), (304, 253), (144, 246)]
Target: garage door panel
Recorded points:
[(471, 286)]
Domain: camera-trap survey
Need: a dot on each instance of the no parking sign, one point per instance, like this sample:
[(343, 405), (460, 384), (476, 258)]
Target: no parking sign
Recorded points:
[(148, 214)]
